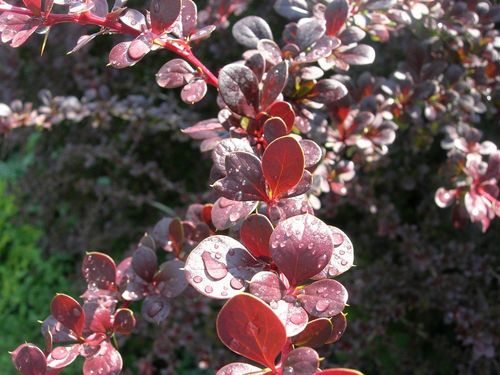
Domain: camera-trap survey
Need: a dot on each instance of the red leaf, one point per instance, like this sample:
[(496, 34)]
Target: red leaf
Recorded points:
[(176, 235), (273, 84), (29, 360), (170, 279), (316, 333), (34, 5), (163, 14), (248, 326), (324, 298), (301, 246), (282, 165), (339, 326), (124, 321), (68, 311), (99, 270), (335, 15), (255, 233), (284, 111)]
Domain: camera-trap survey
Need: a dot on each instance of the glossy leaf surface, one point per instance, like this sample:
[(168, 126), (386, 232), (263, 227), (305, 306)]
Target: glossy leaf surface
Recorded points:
[(239, 89), (255, 233), (248, 326), (68, 311), (324, 298)]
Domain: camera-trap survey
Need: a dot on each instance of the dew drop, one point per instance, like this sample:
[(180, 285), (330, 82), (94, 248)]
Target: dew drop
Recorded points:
[(322, 305), (155, 308), (218, 255), (209, 289), (197, 279), (59, 353), (343, 262), (215, 269), (234, 216), (236, 283), (297, 319), (273, 304), (224, 293), (231, 252)]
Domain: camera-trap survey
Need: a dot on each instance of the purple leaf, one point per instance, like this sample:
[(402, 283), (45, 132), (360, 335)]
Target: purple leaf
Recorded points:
[(189, 17), (335, 15), (145, 263), (194, 91), (342, 257), (312, 153), (63, 356), (29, 360), (273, 84), (316, 333), (324, 298), (163, 14), (238, 368), (226, 147), (170, 279), (274, 128), (309, 32), (249, 30), (99, 270), (327, 91), (174, 73), (239, 89), (119, 57), (255, 233), (270, 51), (339, 323), (133, 19), (138, 49), (293, 317), (219, 267), (155, 309), (244, 180), (301, 361), (359, 55), (227, 213), (106, 361), (267, 286), (124, 321), (203, 33), (301, 246)]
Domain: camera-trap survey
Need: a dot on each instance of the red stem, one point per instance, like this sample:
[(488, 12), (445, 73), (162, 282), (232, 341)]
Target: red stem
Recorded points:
[(177, 46)]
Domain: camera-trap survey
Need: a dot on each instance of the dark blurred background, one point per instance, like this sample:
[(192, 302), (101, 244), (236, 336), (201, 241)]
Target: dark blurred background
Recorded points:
[(110, 161)]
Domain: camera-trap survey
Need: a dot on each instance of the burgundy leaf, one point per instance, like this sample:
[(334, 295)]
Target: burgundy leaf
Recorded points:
[(270, 51), (289, 207), (63, 356), (342, 257), (189, 17), (227, 213), (301, 361), (145, 262), (99, 270), (174, 73), (69, 312), (133, 19), (316, 334), (203, 33), (324, 298), (248, 326), (244, 180), (309, 32), (339, 323), (224, 148), (219, 267), (312, 153), (255, 233), (106, 361), (302, 186), (238, 368), (29, 360), (282, 165), (301, 246), (163, 14), (293, 317), (124, 321), (257, 64), (119, 57), (284, 111), (267, 286), (194, 91), (335, 15), (138, 49), (274, 83), (205, 129), (327, 91), (274, 128), (170, 279), (359, 55), (155, 309), (239, 89), (249, 30)]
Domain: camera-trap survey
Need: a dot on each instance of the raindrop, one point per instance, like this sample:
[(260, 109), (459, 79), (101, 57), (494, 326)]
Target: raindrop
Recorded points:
[(273, 304), (59, 353), (234, 216), (215, 269), (155, 308), (236, 283), (197, 279), (209, 289), (288, 370), (224, 293), (337, 239), (217, 255), (322, 305), (297, 319), (343, 262)]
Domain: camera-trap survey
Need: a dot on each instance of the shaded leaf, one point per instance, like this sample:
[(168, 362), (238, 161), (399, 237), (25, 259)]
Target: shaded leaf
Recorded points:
[(249, 30)]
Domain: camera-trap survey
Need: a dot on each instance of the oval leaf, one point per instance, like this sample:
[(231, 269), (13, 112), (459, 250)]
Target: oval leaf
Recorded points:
[(282, 165), (324, 298), (68, 311), (255, 233), (249, 30), (248, 326), (29, 360), (239, 89), (99, 270), (227, 213)]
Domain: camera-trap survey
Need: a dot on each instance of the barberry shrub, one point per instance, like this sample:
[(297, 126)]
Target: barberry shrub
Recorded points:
[(285, 132)]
